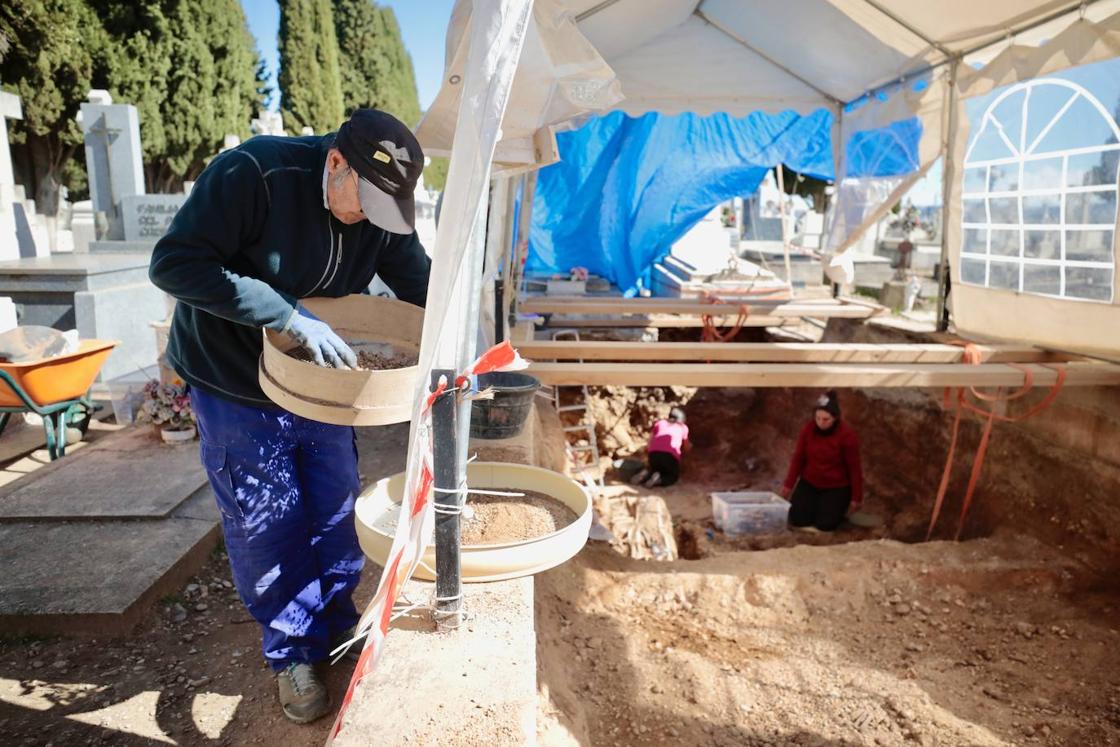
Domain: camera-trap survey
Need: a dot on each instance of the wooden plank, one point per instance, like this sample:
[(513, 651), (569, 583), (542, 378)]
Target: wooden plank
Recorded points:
[(668, 322), (775, 352), (692, 307), (818, 375), (774, 316)]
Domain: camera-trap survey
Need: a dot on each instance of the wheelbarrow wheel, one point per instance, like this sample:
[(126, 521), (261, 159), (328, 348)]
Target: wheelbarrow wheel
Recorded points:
[(79, 416)]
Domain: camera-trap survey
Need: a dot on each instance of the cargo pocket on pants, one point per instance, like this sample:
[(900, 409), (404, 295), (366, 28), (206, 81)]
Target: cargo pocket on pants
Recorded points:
[(221, 480)]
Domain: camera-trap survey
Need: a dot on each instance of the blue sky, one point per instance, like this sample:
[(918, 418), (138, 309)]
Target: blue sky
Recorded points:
[(423, 26)]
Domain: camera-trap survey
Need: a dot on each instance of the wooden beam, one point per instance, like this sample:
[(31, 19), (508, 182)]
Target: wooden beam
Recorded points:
[(777, 352), (819, 375), (664, 321), (691, 307), (774, 316)]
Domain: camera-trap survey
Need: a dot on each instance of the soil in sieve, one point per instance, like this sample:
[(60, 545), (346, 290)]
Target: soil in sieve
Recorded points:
[(369, 360), (500, 518)]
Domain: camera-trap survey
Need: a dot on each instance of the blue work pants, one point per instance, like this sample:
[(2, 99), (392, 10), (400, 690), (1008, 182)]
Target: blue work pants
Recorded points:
[(286, 487)]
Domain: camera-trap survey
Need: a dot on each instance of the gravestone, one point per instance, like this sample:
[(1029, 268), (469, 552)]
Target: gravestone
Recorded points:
[(147, 217), (113, 157), (9, 237), (268, 123), (9, 244), (10, 108), (83, 225)]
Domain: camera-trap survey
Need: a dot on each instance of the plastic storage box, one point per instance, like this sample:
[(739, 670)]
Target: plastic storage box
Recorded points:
[(749, 513)]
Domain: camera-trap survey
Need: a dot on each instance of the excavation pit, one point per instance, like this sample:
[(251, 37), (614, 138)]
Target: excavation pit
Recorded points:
[(863, 636)]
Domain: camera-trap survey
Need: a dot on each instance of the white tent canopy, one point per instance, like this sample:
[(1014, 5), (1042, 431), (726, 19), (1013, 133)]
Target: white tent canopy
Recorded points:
[(872, 63), (740, 56)]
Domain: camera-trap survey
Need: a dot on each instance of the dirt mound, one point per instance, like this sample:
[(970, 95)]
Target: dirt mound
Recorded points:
[(981, 643)]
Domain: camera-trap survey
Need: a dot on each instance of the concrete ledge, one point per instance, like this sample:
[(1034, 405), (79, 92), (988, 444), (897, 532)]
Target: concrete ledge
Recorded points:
[(473, 686), (477, 685), (121, 247)]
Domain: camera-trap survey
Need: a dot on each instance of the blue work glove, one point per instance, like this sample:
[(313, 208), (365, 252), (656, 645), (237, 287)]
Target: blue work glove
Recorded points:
[(316, 336)]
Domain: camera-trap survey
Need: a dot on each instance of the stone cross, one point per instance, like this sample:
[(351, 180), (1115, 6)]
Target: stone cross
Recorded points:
[(113, 157)]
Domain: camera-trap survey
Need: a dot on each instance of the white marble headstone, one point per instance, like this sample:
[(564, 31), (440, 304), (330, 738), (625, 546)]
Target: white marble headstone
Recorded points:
[(114, 160), (147, 217)]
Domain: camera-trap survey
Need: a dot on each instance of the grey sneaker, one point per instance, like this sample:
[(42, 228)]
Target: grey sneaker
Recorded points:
[(303, 696)]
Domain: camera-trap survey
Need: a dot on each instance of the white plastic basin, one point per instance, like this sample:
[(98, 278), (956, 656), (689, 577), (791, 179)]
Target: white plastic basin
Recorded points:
[(379, 505)]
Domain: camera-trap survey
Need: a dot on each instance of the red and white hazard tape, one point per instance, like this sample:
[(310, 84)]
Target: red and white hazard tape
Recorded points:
[(415, 522)]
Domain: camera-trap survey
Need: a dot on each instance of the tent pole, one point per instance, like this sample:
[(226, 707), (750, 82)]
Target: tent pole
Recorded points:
[(521, 248), (785, 227), (948, 173)]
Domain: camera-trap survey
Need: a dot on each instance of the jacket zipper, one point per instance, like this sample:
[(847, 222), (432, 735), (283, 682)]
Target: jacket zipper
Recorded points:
[(330, 260), (337, 263)]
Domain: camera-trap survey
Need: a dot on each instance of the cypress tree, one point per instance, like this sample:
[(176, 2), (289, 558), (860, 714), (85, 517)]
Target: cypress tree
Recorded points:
[(212, 86), (435, 173), (189, 67), (53, 59), (377, 69), (310, 81), (137, 65)]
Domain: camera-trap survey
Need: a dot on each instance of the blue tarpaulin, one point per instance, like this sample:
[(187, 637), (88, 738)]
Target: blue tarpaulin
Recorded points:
[(626, 189), (885, 151)]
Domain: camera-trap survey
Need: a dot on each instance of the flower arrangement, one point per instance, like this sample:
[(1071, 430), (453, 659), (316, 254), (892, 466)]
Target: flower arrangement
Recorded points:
[(578, 273), (166, 405)]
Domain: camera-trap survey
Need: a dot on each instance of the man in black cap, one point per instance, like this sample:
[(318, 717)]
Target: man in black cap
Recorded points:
[(268, 223)]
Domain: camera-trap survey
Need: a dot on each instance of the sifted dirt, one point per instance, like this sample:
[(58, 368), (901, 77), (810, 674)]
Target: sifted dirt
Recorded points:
[(371, 360), (499, 518)]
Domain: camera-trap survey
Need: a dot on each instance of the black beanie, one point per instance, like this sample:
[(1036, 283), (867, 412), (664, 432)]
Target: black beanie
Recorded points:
[(829, 403)]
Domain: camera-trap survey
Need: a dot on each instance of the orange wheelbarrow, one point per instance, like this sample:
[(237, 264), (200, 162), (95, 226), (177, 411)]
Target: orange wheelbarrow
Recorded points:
[(56, 389)]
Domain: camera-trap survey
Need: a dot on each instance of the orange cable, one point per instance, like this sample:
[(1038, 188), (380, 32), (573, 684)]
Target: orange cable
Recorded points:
[(972, 356)]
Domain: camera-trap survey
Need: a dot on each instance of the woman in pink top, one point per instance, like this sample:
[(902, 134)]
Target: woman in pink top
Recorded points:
[(666, 442)]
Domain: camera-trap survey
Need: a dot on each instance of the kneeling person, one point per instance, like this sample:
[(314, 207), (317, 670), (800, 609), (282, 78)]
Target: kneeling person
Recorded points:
[(663, 454), (825, 470)]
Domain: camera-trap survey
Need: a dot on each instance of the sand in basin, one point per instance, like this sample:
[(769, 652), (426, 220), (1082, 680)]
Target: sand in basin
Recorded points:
[(499, 518)]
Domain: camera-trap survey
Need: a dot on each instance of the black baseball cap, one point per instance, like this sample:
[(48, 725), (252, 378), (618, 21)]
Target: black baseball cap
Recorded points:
[(389, 162)]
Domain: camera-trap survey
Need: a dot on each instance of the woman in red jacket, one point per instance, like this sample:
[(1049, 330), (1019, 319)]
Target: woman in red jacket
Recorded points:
[(825, 469)]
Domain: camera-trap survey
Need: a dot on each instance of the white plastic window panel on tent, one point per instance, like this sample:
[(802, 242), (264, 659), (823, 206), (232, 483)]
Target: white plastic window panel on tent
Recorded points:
[(1031, 217), (1039, 201)]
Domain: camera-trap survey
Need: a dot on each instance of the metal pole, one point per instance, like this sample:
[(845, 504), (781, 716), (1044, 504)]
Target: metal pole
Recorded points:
[(785, 227), (948, 173), (449, 585), (499, 309)]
